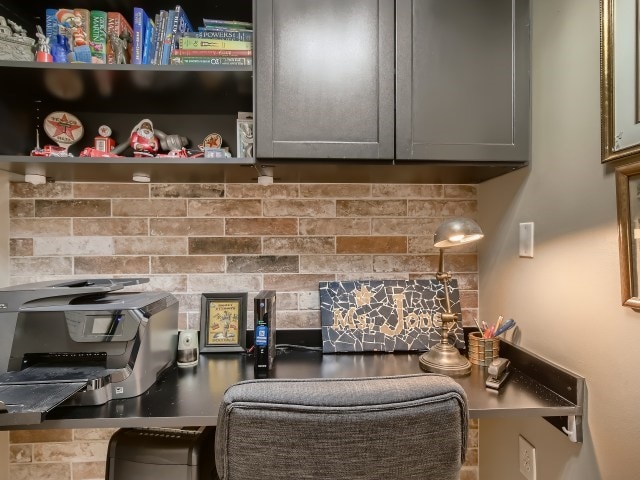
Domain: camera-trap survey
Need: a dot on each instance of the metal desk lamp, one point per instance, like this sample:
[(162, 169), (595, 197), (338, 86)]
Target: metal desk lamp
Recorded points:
[(443, 357)]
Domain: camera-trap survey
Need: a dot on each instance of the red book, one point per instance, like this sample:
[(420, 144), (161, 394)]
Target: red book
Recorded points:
[(185, 52), (118, 24)]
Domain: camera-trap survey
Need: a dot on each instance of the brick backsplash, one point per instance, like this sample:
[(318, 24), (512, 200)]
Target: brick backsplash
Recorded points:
[(195, 238)]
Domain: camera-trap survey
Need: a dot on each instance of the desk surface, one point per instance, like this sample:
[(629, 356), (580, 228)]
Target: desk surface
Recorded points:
[(191, 396)]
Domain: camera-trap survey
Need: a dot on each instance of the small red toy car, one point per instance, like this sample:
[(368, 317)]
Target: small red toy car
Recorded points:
[(50, 151), (92, 152)]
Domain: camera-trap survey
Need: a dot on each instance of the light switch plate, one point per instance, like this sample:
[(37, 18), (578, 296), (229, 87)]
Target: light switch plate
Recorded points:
[(526, 239)]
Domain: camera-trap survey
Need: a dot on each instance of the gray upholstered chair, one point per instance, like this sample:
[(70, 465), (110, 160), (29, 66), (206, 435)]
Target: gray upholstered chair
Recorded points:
[(402, 427)]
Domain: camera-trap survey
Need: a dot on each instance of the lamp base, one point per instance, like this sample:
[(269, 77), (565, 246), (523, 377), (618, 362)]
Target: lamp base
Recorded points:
[(445, 359)]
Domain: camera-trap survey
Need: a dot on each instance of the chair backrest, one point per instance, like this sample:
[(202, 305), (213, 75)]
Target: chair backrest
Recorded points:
[(401, 427)]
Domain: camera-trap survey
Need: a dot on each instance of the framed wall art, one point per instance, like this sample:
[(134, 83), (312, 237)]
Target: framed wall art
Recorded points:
[(619, 78), (628, 203), (223, 322)]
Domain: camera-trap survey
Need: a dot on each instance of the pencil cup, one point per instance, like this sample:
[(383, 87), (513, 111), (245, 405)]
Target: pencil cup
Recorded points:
[(482, 350)]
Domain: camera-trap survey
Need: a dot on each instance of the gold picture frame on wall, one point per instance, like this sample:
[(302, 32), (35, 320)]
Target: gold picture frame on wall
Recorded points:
[(619, 78), (628, 203)]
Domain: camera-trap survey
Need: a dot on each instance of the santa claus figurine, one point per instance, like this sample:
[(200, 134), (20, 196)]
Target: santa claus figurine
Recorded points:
[(143, 139)]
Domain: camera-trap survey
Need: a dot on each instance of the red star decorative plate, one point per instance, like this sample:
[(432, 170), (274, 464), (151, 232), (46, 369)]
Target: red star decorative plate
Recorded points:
[(63, 128)]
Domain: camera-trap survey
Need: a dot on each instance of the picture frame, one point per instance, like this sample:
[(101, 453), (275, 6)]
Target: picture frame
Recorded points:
[(244, 134), (628, 206), (223, 322), (619, 79)]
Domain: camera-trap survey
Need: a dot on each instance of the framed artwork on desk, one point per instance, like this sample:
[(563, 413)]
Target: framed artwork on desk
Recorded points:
[(223, 322), (628, 203), (619, 78)]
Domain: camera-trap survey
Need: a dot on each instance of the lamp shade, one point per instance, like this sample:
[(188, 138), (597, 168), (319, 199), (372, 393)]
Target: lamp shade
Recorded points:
[(457, 231)]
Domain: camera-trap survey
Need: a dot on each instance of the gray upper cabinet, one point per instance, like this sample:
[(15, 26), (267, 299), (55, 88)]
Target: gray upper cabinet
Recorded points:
[(324, 78), (462, 80), (437, 80)]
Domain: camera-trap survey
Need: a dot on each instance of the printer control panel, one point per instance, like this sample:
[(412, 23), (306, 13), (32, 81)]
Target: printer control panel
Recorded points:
[(92, 326)]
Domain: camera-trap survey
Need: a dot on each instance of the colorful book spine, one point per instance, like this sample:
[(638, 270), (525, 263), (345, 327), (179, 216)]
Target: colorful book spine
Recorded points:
[(154, 38), (98, 36), (167, 38), (116, 23), (51, 27), (179, 52), (235, 24), (160, 26), (147, 47), (215, 61), (179, 24), (188, 43), (222, 34), (140, 18)]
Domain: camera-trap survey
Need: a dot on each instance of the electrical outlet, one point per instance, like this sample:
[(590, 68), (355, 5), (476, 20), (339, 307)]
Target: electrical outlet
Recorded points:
[(527, 459), (526, 239)]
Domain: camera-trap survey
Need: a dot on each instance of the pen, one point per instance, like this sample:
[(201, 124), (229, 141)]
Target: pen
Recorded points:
[(506, 326)]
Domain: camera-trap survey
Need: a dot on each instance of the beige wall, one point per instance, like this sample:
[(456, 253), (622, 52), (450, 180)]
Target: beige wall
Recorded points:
[(567, 298)]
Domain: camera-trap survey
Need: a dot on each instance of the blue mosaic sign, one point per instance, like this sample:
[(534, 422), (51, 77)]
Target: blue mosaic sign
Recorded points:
[(386, 315)]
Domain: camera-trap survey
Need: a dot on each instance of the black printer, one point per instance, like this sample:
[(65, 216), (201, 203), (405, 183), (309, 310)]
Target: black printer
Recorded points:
[(80, 342)]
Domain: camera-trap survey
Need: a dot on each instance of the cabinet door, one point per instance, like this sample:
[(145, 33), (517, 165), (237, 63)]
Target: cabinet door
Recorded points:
[(324, 78), (463, 80)]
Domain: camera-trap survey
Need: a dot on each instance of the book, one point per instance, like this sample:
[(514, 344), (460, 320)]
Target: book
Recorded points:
[(116, 23), (178, 24), (51, 27), (216, 61), (222, 34), (98, 36), (140, 20), (161, 25), (215, 23), (147, 47), (154, 38), (167, 38), (188, 43), (179, 52)]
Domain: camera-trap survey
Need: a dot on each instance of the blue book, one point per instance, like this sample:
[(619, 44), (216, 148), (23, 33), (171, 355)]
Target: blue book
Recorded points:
[(51, 28), (147, 47), (222, 34), (140, 19), (167, 39), (178, 24), (160, 28)]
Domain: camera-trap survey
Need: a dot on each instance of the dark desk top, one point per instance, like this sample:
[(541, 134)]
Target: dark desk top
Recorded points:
[(190, 396)]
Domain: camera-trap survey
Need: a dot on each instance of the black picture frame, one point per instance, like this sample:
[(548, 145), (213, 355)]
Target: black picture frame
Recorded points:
[(223, 322)]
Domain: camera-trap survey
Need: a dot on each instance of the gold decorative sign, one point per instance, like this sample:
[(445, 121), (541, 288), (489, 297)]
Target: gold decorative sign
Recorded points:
[(385, 315)]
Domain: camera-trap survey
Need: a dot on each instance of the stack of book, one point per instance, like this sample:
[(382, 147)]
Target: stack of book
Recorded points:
[(219, 42)]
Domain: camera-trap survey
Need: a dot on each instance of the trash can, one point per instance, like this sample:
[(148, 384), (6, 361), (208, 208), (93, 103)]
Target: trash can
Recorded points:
[(158, 453)]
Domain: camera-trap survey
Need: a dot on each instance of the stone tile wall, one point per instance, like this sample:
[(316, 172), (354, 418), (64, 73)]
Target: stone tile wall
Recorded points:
[(195, 238)]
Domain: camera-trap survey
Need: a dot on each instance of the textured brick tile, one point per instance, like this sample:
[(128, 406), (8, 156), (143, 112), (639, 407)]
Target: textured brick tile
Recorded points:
[(309, 300), (167, 283), (335, 263), (299, 208), (261, 226), (110, 190), (43, 471), (469, 473), (353, 276), (20, 453), (40, 436), (187, 190), (225, 208), (466, 281), (473, 439), (186, 226), (306, 319), (262, 264), (421, 244), (296, 245), (442, 208), (22, 208), (73, 451), (93, 433), (114, 227), (21, 247), (150, 245), (149, 208), (73, 246), (250, 190), (335, 190), (189, 302), (467, 262), (187, 264), (40, 266), (469, 316), (88, 470), (371, 208), (225, 283), (460, 191), (39, 227), (287, 301), (73, 208), (407, 191), (469, 298), (48, 190), (404, 226), (371, 244), (111, 265), (295, 282), (472, 457), (405, 263), (224, 245), (335, 226)]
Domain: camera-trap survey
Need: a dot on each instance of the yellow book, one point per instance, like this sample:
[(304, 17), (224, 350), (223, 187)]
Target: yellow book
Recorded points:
[(189, 43)]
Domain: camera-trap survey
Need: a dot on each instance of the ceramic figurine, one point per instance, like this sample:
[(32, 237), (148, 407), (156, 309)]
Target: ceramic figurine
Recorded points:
[(143, 140), (43, 50)]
